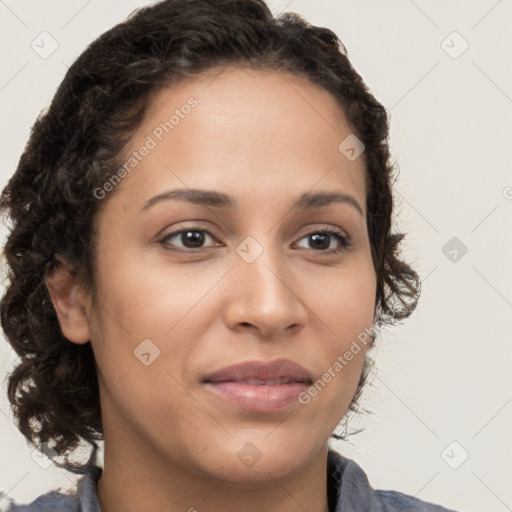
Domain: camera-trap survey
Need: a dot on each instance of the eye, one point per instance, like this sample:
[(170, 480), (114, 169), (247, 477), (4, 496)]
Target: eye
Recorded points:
[(192, 238), (323, 241), (189, 238)]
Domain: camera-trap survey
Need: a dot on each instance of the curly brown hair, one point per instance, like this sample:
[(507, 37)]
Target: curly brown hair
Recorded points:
[(77, 143)]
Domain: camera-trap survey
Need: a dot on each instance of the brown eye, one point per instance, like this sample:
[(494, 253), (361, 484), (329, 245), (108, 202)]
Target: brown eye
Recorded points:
[(189, 238), (323, 241)]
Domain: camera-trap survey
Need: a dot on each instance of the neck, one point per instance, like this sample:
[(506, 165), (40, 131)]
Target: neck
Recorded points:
[(136, 476)]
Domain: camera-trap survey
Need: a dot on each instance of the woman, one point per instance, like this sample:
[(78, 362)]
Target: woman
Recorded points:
[(200, 258)]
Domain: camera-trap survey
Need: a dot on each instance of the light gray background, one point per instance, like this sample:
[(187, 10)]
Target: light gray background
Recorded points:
[(444, 375)]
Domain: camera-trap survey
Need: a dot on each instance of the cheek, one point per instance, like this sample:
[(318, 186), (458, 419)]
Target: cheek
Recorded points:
[(167, 304), (344, 308), (158, 311), (150, 300), (344, 300)]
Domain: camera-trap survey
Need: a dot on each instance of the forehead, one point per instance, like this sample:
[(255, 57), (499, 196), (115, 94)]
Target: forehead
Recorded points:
[(241, 131)]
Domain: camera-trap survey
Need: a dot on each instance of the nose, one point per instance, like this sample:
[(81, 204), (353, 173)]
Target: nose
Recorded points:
[(264, 297)]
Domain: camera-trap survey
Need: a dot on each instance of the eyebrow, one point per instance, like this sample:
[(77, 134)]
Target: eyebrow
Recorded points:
[(308, 200)]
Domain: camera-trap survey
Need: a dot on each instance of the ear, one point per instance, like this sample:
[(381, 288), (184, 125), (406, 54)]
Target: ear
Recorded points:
[(70, 301)]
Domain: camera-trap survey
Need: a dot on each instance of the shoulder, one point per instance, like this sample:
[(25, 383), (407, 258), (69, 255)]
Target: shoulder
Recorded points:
[(84, 499), (350, 491), (53, 500)]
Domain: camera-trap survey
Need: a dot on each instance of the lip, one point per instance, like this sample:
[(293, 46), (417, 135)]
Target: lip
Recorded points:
[(260, 386)]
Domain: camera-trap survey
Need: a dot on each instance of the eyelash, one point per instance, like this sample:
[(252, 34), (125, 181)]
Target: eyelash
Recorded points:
[(344, 242)]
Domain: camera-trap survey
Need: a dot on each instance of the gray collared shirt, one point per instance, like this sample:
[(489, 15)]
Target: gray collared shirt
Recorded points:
[(348, 490)]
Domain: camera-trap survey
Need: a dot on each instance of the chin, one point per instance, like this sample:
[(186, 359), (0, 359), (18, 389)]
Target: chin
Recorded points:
[(258, 458)]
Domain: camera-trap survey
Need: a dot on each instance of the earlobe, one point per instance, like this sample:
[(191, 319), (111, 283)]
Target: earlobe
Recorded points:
[(68, 299)]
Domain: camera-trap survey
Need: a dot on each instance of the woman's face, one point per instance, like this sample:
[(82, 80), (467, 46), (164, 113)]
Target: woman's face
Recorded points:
[(251, 278)]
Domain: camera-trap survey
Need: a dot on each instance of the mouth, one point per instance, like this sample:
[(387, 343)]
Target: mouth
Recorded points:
[(259, 386)]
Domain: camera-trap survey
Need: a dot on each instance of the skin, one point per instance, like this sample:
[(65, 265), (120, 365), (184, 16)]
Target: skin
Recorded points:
[(264, 138)]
